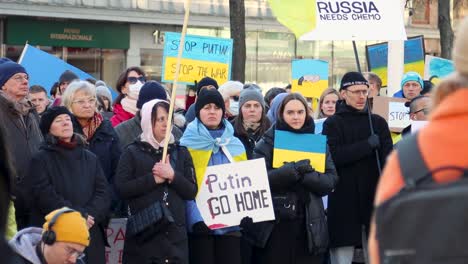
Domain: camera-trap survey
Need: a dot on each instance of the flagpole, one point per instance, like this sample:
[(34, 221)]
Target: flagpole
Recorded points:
[(358, 64), (176, 78)]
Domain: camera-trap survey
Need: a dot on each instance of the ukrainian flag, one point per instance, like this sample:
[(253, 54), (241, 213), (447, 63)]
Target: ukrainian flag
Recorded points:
[(290, 146), (297, 15)]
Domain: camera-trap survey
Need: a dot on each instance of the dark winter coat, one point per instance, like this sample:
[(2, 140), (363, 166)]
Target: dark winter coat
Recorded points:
[(130, 130), (74, 178), (23, 139), (249, 141), (309, 189), (135, 183), (350, 205)]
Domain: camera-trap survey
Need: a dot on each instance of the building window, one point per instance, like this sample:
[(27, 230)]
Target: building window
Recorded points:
[(421, 11)]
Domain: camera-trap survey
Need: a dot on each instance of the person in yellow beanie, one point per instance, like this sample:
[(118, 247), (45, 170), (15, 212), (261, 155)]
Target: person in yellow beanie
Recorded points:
[(62, 239)]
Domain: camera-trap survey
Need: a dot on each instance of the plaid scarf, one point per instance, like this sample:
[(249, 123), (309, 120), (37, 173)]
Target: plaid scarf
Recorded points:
[(90, 128)]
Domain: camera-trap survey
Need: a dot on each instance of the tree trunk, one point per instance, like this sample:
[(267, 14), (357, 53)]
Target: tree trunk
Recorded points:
[(445, 29), (237, 20)]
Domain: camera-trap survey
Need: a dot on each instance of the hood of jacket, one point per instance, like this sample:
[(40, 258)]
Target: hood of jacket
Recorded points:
[(147, 126), (25, 242)]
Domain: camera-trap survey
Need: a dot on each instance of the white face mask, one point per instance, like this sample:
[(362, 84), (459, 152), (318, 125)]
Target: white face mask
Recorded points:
[(233, 107), (134, 90)]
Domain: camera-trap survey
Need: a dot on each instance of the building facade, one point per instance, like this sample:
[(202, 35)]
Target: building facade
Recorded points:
[(103, 37)]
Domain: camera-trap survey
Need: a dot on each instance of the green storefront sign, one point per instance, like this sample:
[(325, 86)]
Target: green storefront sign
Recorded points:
[(20, 31)]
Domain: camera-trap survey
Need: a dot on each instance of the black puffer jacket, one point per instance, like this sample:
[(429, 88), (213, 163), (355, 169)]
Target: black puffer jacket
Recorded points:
[(72, 177), (350, 205), (135, 183), (309, 189)]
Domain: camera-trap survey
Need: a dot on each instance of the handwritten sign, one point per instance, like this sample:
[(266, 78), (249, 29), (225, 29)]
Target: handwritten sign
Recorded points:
[(115, 237), (398, 115), (436, 67), (201, 57), (393, 110), (290, 146), (310, 77), (233, 191)]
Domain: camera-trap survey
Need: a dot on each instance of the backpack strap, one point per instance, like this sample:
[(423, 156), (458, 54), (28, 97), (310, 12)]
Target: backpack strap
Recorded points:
[(413, 167)]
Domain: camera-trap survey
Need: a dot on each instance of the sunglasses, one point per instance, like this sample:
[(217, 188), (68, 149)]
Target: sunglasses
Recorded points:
[(133, 80), (424, 110)]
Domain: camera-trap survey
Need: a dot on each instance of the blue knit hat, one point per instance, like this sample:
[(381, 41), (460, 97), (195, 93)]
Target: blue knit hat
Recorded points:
[(9, 68), (149, 91), (412, 76)]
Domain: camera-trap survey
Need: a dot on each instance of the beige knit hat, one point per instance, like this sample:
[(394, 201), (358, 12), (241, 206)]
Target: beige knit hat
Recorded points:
[(460, 48)]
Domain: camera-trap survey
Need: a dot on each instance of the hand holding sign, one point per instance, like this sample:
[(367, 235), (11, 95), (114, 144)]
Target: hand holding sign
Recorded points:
[(164, 170), (230, 192)]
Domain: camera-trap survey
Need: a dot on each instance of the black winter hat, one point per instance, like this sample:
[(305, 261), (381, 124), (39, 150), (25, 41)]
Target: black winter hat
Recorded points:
[(149, 91), (205, 82), (68, 76), (352, 78), (49, 116), (209, 97)]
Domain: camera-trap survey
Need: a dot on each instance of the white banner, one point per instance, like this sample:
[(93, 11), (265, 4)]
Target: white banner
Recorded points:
[(398, 115), (357, 20), (233, 191), (115, 237)]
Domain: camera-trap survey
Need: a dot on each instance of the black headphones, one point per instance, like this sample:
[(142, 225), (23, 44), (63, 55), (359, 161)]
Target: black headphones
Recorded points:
[(49, 235)]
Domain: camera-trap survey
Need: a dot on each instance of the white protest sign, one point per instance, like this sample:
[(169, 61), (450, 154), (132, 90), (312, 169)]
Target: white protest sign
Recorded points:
[(232, 191), (115, 236), (417, 125), (398, 115)]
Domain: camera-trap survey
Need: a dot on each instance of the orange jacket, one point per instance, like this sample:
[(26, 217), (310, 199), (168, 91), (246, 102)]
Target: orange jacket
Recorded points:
[(442, 142)]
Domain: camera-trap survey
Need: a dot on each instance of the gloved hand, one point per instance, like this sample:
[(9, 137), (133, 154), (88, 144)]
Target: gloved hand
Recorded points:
[(303, 166), (200, 228), (373, 141), (246, 222)]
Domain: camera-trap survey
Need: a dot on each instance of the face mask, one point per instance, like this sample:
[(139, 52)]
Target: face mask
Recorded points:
[(134, 90), (233, 107)]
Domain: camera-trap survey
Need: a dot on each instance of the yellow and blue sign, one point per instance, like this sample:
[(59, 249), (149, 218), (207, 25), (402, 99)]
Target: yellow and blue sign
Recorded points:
[(201, 57), (310, 77), (290, 146), (377, 57)]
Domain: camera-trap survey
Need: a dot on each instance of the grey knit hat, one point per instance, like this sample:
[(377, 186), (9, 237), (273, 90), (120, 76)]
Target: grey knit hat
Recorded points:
[(103, 90), (251, 94)]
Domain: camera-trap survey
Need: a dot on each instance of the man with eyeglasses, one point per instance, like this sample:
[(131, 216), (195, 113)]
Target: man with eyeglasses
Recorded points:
[(20, 122), (353, 146), (63, 239), (419, 111)]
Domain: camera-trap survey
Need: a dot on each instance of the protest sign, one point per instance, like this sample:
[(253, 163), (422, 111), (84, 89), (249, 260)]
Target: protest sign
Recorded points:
[(310, 77), (115, 237), (436, 67), (417, 125), (202, 56), (341, 19), (290, 146), (393, 110), (233, 191), (45, 69), (377, 57)]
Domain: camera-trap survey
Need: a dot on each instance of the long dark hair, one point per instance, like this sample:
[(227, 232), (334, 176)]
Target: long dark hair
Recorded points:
[(123, 79), (239, 124)]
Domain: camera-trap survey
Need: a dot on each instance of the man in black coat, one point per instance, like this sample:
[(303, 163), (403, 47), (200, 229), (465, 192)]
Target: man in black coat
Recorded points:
[(353, 147), (21, 126)]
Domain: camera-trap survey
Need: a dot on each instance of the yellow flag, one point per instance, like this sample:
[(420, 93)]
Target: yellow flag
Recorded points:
[(297, 15)]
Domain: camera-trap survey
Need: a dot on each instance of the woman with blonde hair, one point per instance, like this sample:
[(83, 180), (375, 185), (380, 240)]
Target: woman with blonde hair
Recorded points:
[(327, 103)]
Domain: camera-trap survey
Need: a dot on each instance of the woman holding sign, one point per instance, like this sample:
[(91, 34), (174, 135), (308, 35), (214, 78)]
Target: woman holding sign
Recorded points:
[(210, 140), (155, 192), (299, 234)]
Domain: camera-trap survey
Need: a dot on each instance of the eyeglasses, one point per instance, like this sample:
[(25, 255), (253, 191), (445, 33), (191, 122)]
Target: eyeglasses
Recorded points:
[(359, 92), (20, 78), (133, 80), (425, 111), (71, 252), (91, 101)]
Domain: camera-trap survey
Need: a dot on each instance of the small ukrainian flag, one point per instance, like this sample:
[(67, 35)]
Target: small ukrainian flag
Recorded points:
[(290, 146)]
